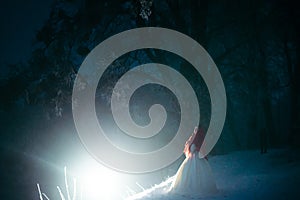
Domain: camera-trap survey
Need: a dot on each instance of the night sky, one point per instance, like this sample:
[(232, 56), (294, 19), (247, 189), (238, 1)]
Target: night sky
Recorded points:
[(19, 23)]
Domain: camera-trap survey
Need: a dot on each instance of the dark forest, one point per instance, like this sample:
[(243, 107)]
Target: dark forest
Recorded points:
[(254, 44)]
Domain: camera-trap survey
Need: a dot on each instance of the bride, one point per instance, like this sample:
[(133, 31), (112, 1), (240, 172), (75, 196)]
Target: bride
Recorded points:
[(194, 176)]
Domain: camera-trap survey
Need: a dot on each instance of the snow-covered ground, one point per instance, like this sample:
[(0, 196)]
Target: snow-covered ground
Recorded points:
[(248, 175), (241, 175)]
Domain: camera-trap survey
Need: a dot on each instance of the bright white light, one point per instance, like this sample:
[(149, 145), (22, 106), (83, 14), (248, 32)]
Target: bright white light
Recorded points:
[(97, 182)]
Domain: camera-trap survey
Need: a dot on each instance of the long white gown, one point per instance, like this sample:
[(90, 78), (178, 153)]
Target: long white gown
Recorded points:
[(194, 177)]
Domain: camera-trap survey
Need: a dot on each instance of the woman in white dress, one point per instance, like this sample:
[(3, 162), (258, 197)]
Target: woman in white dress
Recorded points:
[(194, 176)]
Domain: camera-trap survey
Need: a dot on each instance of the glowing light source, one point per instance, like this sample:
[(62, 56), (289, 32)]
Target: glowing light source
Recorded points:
[(98, 182)]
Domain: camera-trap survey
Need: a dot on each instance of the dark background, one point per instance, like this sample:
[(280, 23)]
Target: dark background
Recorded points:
[(255, 45)]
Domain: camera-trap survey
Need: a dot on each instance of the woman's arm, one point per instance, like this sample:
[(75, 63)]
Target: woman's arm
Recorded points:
[(193, 148)]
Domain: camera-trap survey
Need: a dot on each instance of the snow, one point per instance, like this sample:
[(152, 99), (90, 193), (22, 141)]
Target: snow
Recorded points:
[(245, 175), (239, 175)]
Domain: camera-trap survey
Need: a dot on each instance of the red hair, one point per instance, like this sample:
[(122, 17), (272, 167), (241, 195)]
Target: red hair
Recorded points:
[(197, 139)]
